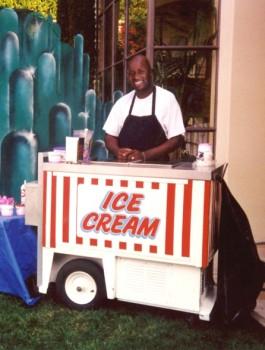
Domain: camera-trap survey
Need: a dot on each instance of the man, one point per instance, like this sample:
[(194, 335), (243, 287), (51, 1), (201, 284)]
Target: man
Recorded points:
[(145, 124)]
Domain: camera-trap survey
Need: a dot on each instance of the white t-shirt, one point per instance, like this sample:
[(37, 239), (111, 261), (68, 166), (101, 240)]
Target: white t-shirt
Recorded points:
[(167, 111)]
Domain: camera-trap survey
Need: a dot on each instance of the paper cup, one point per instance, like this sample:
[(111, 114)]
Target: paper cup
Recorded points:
[(7, 209), (20, 210), (54, 157)]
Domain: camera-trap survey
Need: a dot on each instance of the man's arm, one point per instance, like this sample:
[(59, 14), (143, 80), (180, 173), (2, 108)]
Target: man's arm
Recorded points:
[(157, 152), (127, 154), (112, 145)]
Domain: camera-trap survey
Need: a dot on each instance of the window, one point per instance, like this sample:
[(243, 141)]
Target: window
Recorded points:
[(121, 33), (180, 38)]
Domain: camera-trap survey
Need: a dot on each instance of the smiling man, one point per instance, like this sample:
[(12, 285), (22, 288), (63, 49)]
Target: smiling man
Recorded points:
[(145, 124)]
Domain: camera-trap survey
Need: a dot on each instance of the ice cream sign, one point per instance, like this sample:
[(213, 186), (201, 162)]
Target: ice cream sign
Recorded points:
[(117, 211)]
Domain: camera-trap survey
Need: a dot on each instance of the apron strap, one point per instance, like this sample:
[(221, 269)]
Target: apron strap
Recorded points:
[(131, 107), (154, 100)]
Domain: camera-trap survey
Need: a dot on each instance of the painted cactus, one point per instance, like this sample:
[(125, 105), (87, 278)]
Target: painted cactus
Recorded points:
[(18, 161), (44, 94)]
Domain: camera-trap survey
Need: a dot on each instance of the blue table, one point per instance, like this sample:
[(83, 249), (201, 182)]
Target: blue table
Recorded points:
[(18, 257)]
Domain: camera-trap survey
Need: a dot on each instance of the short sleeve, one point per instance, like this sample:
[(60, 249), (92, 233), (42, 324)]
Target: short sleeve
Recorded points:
[(115, 120), (117, 115), (173, 118)]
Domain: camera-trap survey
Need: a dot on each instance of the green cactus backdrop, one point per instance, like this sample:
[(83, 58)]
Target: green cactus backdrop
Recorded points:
[(44, 95)]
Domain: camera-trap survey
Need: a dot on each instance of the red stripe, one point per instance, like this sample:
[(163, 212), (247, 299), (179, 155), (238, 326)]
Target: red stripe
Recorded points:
[(94, 181), (93, 242), (80, 180), (153, 249), (66, 205), (109, 182), (186, 219), (53, 212), (206, 221), (155, 186), (79, 240), (108, 244), (122, 245), (138, 247), (124, 183), (170, 219), (44, 208)]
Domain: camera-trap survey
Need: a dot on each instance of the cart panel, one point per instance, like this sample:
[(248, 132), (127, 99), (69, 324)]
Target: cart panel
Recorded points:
[(141, 217)]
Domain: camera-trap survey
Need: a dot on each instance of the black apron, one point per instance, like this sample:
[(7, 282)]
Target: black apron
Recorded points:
[(142, 133)]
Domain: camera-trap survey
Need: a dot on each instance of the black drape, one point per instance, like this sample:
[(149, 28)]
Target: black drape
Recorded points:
[(241, 273)]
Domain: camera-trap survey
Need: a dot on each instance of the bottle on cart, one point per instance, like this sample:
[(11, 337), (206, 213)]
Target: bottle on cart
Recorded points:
[(23, 193), (88, 134)]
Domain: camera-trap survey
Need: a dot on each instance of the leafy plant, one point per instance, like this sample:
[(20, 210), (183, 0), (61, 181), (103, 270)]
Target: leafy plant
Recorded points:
[(47, 7)]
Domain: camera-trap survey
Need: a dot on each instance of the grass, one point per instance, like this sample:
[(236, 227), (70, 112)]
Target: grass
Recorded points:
[(120, 326)]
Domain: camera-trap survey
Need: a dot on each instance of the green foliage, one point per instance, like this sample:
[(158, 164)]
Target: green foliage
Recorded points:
[(47, 7), (137, 25), (137, 10)]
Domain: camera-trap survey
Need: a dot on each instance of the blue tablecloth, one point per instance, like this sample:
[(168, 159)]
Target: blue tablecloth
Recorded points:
[(18, 257)]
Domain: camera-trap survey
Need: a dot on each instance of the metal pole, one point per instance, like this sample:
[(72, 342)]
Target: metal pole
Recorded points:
[(150, 31)]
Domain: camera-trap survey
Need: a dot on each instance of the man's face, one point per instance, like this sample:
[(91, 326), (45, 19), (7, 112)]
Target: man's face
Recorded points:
[(139, 75)]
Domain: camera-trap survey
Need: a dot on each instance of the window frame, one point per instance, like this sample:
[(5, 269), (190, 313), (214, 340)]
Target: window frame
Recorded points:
[(149, 50)]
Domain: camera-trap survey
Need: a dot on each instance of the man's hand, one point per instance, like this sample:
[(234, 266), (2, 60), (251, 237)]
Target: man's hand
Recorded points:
[(124, 154), (136, 156)]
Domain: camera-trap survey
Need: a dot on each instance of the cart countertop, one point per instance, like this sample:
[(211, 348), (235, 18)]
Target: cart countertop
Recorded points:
[(180, 170)]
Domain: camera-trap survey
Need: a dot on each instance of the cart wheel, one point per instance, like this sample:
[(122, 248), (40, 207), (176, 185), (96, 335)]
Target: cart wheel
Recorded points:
[(80, 285)]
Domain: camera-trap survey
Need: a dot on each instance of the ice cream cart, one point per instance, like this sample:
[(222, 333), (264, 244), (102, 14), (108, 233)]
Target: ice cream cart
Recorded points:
[(136, 232)]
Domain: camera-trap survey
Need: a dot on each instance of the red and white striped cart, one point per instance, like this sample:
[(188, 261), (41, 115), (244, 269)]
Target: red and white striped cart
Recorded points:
[(141, 233)]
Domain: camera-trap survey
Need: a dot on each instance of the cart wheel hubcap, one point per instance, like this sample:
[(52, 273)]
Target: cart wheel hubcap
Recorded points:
[(80, 287)]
